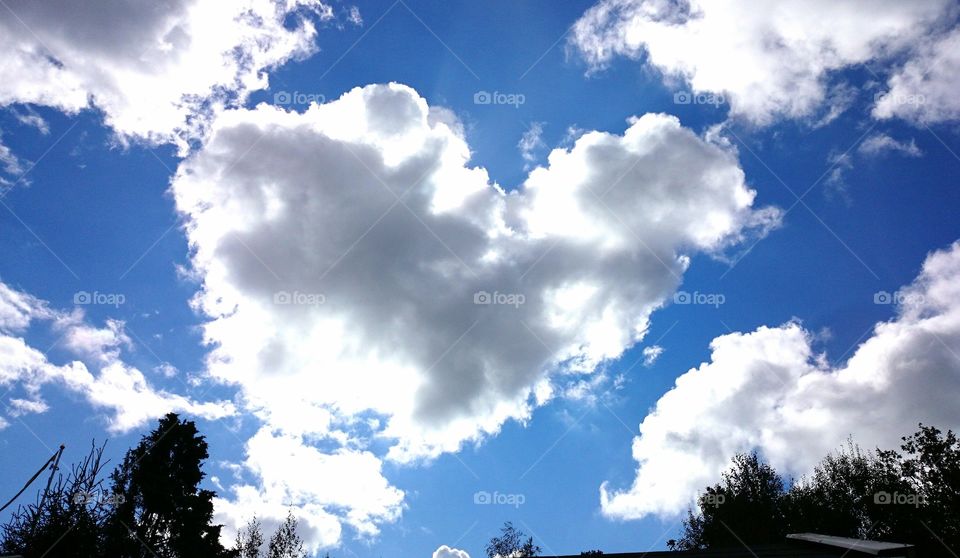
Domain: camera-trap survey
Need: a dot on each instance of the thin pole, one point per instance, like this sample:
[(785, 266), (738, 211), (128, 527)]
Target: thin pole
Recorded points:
[(34, 477), (53, 471)]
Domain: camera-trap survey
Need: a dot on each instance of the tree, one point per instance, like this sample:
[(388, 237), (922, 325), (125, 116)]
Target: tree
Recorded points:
[(163, 512), (510, 544), (887, 495), (67, 519), (249, 540), (835, 499), (931, 470), (911, 496), (746, 506), (286, 542)]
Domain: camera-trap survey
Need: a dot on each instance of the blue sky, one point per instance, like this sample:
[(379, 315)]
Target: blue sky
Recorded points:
[(158, 217)]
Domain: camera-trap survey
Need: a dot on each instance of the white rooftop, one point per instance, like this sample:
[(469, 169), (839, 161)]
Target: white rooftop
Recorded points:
[(877, 548)]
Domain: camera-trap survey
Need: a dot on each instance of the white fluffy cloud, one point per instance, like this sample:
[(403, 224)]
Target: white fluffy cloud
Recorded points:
[(155, 73), (530, 142), (774, 59), (412, 288), (924, 90), (10, 165), (651, 354), (445, 551), (362, 281), (768, 390), (112, 385), (29, 117), (878, 144), (323, 489)]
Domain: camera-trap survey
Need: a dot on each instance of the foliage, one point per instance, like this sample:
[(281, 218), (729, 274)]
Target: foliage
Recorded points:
[(163, 512), (747, 504), (285, 542), (69, 517), (249, 540), (910, 496), (511, 544)]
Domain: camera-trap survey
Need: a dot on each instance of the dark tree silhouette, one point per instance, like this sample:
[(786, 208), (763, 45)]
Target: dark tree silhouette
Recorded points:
[(285, 542), (511, 544), (249, 540), (747, 505), (163, 512), (68, 520), (931, 469), (838, 498), (912, 497), (887, 495)]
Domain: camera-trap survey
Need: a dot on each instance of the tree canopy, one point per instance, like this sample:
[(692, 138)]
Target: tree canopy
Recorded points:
[(153, 508), (512, 543), (909, 495)]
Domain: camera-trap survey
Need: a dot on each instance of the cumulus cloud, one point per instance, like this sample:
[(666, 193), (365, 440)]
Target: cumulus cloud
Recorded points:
[(26, 406), (112, 385), (924, 89), (29, 117), (878, 144), (530, 142), (353, 253), (11, 165), (364, 282), (838, 165), (96, 343), (875, 145), (770, 391), (445, 551), (354, 17), (651, 354), (323, 490), (156, 73), (166, 369), (776, 59)]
